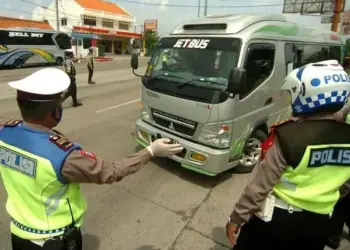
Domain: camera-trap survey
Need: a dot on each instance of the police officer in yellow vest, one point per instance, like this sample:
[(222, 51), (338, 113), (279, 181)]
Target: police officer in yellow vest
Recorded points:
[(41, 169), (341, 214), (306, 162), (165, 59)]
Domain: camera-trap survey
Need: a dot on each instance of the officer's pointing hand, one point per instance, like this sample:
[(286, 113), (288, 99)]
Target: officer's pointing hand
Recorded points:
[(231, 232), (161, 148)]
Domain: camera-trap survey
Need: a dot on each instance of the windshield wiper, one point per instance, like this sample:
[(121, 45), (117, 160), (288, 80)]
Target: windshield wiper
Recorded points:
[(164, 75), (203, 81)]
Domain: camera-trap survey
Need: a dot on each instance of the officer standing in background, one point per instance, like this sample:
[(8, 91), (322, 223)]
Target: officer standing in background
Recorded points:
[(304, 164), (69, 68), (41, 169), (90, 65), (341, 214)]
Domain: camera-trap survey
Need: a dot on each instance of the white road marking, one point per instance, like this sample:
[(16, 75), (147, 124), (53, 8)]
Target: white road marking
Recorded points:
[(118, 106)]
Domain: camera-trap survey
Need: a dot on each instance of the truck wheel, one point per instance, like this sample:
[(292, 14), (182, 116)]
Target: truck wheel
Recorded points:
[(59, 61), (251, 153), (17, 64)]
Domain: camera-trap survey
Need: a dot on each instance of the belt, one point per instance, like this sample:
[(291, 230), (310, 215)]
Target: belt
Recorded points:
[(284, 205), (38, 231)]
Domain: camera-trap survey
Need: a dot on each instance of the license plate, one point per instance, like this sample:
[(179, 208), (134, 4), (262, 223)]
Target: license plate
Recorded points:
[(172, 141)]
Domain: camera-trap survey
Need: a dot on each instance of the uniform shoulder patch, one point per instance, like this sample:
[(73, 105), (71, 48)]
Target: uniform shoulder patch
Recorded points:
[(267, 144), (280, 123), (12, 123), (61, 142), (88, 154)]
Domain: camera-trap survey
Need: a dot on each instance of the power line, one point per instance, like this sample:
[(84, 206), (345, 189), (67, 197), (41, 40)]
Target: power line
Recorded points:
[(186, 6), (209, 6), (47, 8)]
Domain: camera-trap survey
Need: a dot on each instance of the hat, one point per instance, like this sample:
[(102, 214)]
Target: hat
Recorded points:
[(48, 81)]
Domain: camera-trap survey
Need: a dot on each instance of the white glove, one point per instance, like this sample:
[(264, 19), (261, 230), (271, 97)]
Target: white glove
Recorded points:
[(161, 148)]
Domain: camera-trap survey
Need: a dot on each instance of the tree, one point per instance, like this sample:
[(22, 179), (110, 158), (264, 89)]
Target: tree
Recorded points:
[(347, 47), (151, 41)]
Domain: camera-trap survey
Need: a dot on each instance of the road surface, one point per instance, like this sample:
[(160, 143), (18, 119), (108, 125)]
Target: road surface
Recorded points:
[(162, 206)]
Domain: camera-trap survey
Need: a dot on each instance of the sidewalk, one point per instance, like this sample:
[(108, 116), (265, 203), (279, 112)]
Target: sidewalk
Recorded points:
[(108, 58), (102, 77)]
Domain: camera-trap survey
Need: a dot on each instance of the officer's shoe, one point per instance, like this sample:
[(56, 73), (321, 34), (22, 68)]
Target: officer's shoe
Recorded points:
[(333, 242), (77, 104)]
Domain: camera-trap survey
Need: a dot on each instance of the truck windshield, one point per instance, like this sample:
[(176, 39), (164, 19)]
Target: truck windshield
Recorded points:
[(208, 59)]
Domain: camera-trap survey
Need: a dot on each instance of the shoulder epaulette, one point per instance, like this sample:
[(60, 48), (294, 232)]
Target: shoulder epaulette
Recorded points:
[(58, 132), (12, 123), (61, 142), (283, 122)]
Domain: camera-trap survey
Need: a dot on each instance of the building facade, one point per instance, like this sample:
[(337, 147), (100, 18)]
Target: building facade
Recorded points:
[(104, 26)]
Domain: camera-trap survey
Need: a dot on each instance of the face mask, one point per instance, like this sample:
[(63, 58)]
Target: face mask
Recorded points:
[(57, 114)]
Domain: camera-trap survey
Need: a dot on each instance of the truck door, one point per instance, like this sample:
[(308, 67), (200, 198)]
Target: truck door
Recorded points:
[(253, 107)]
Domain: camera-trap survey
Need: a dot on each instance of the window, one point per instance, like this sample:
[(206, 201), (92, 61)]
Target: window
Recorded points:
[(298, 54), (47, 39), (107, 23), (64, 21), (123, 26), (30, 38), (76, 42), (87, 43), (314, 53), (89, 20), (63, 41), (335, 53), (259, 64), (4, 37)]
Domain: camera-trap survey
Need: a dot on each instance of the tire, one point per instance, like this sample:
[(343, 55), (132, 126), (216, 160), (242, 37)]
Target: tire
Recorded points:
[(59, 61), (249, 159), (18, 64)]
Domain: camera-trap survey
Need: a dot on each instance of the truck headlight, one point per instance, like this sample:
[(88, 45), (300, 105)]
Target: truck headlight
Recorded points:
[(145, 113), (216, 134)]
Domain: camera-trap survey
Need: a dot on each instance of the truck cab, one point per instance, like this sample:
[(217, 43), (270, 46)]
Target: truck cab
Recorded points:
[(213, 84)]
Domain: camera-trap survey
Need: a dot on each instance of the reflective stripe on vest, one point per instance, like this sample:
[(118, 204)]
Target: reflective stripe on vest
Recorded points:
[(347, 119), (314, 184), (37, 193)]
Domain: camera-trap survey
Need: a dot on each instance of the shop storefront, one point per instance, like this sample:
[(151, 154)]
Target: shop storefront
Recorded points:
[(107, 41)]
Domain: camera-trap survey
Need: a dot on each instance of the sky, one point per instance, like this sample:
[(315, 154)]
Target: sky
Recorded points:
[(169, 16)]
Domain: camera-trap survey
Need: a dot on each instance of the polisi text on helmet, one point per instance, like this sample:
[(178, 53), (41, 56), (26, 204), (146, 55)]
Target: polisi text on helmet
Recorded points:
[(336, 78)]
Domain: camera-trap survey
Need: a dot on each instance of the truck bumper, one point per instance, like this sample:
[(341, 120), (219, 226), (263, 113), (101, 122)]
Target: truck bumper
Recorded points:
[(195, 156)]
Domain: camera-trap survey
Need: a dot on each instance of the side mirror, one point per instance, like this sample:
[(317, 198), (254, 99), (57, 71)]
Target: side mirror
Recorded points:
[(134, 61), (237, 81)]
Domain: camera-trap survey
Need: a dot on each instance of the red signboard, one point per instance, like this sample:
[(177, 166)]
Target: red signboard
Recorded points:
[(106, 32), (93, 42), (151, 24)]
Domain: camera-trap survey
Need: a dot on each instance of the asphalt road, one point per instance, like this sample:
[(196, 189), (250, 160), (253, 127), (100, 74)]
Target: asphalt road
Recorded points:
[(119, 63), (162, 206)]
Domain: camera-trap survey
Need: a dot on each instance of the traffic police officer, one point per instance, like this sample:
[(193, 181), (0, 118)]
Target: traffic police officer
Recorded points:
[(41, 169), (306, 161), (341, 214), (69, 68), (90, 65)]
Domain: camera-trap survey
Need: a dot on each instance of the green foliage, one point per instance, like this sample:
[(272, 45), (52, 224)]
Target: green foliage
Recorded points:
[(151, 41)]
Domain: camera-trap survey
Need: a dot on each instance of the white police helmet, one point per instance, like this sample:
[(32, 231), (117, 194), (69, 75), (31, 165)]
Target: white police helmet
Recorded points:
[(48, 81), (317, 85)]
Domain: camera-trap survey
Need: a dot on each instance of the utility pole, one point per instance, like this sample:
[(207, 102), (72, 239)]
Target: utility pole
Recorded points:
[(199, 8), (57, 16), (205, 7), (336, 17)]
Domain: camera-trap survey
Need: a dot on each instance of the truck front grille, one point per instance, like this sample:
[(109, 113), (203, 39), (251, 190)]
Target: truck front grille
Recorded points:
[(175, 123)]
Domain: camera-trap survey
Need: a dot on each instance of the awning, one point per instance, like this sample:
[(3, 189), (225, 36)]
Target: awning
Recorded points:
[(105, 32), (84, 35)]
